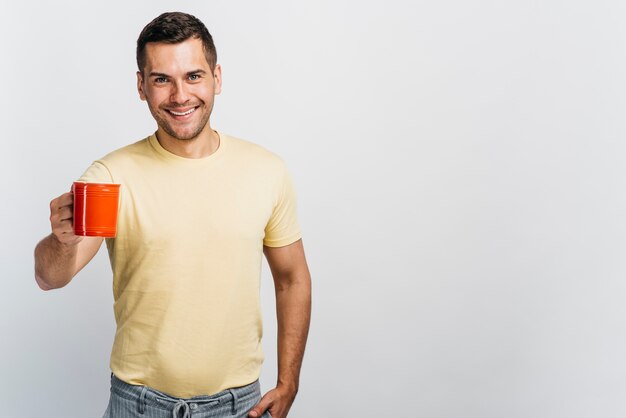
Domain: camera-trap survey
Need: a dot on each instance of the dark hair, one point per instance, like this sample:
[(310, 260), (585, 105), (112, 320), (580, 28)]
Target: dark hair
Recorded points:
[(172, 28)]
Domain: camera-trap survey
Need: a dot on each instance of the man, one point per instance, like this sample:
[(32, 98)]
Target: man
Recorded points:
[(198, 208)]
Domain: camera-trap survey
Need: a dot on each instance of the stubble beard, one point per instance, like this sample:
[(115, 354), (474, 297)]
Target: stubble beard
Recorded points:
[(167, 127)]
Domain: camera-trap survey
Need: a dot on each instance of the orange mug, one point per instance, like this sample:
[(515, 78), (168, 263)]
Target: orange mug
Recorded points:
[(95, 209)]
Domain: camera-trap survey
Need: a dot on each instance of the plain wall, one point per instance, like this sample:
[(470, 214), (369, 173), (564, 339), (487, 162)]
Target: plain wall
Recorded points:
[(460, 174)]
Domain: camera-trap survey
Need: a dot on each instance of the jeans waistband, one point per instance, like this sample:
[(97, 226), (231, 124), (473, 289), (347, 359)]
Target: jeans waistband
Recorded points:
[(145, 395)]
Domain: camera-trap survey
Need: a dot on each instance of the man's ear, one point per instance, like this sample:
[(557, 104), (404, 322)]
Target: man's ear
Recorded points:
[(142, 94), (217, 79)]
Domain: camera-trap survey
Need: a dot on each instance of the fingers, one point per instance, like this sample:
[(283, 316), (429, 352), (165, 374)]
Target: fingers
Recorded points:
[(63, 227), (64, 232), (277, 401), (64, 213), (66, 199), (261, 407), (61, 210), (61, 219)]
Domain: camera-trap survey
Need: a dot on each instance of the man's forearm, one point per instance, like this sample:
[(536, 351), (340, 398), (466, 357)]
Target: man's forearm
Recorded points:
[(293, 308), (55, 263), (292, 283)]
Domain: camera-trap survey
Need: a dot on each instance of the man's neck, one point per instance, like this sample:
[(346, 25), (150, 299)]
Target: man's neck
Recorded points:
[(201, 146)]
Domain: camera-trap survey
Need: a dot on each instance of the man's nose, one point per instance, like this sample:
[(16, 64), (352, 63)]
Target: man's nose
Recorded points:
[(179, 93)]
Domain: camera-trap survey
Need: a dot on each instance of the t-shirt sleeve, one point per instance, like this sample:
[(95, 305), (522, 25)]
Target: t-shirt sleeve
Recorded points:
[(282, 228), (97, 173)]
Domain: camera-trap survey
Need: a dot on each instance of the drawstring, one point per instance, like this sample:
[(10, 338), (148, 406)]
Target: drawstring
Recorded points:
[(180, 405), (142, 400), (234, 394), (187, 406)]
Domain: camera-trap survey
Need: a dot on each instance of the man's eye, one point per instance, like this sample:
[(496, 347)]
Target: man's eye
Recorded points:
[(160, 80), (194, 77)]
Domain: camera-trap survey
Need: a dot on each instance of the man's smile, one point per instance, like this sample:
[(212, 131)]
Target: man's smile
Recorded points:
[(181, 113)]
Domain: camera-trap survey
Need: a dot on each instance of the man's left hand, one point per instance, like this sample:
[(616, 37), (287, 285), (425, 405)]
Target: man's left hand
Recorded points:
[(278, 401)]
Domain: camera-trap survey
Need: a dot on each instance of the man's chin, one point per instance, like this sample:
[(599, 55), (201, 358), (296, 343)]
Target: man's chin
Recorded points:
[(183, 136)]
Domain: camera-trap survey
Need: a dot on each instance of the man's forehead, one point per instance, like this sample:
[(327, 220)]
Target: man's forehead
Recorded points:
[(179, 56)]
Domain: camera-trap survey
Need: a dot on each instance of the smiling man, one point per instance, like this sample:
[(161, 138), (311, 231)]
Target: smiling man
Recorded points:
[(198, 209)]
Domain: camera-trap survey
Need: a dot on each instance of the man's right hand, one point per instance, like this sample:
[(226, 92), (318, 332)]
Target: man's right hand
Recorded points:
[(62, 219), (62, 254)]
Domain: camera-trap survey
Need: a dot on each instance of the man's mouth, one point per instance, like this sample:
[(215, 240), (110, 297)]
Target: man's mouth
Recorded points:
[(182, 112)]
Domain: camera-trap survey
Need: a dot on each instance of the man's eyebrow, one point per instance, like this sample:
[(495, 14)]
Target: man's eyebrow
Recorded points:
[(155, 74), (199, 71)]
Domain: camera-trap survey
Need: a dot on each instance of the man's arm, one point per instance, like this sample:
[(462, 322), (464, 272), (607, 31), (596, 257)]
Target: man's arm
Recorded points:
[(62, 254), (292, 283)]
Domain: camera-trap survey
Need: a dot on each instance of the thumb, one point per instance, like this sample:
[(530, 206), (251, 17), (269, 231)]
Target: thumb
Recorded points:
[(260, 408)]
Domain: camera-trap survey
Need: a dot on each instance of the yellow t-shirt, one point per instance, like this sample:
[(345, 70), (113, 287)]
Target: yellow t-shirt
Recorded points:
[(187, 261)]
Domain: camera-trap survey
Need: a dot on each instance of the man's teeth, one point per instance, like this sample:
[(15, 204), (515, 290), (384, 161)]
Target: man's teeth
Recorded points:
[(183, 113)]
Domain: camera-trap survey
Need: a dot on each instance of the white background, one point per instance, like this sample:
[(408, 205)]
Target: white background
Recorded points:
[(459, 167)]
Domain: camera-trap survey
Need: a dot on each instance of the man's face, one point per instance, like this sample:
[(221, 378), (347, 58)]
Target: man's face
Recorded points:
[(179, 87)]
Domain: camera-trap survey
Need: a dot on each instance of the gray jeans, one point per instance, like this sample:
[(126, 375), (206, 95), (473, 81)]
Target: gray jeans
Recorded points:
[(131, 401)]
